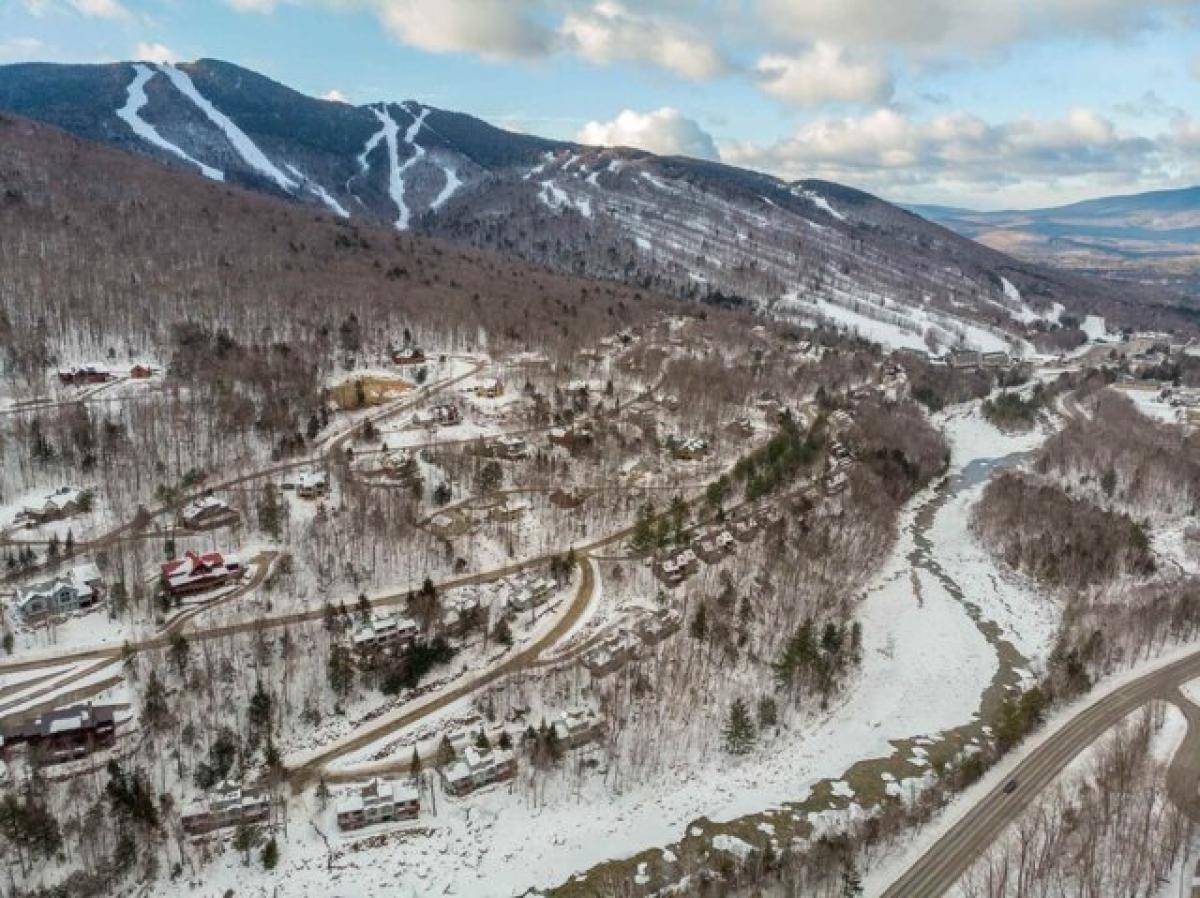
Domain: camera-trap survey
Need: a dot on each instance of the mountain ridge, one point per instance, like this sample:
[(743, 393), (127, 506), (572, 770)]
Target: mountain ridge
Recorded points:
[(694, 228)]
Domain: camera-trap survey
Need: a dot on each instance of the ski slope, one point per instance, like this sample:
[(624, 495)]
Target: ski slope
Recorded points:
[(130, 113), (246, 148)]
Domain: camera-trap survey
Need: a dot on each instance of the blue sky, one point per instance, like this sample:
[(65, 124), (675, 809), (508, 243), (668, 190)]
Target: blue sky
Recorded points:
[(993, 103)]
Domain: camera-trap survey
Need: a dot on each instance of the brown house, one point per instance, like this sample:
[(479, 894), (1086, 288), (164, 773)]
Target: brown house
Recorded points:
[(64, 734)]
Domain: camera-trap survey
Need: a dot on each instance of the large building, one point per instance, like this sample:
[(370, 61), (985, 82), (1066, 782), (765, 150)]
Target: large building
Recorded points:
[(79, 588), (378, 802), (63, 734), (227, 805), (476, 769), (195, 573)]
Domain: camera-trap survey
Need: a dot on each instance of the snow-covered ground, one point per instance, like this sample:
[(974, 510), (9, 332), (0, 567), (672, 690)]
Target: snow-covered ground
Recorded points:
[(130, 113)]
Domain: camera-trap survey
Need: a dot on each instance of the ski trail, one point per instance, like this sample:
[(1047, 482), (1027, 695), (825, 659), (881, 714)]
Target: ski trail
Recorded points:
[(246, 148), (130, 114), (388, 134), (318, 191), (453, 182)]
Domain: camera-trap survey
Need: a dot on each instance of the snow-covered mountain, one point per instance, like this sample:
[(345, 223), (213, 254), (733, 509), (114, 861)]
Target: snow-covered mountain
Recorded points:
[(699, 229)]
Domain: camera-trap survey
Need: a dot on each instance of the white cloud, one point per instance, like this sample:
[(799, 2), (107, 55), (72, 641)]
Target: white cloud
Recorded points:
[(665, 131), (609, 32), (100, 9), (492, 29), (960, 155), (954, 27), (36, 7), (824, 73), (21, 49), (154, 52), (335, 96)]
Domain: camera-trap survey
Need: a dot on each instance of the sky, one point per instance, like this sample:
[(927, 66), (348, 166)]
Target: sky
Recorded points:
[(975, 103)]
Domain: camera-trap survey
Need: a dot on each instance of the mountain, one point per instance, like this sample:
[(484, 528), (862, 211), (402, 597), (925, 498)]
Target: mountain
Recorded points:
[(1149, 237), (695, 229)]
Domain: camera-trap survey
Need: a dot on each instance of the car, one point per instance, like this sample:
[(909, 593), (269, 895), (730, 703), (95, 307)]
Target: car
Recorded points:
[(1010, 787)]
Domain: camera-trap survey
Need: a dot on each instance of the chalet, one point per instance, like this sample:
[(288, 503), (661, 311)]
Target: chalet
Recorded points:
[(572, 439), (744, 529), (64, 502), (228, 805), (509, 510), (995, 360), (141, 372), (443, 415), (205, 512), (509, 448), (399, 464), (64, 734), (526, 590), (560, 498), (965, 359), (677, 566), (85, 375), (460, 613), (687, 448), (492, 388), (610, 654), (741, 427), (377, 802), (714, 547), (385, 633), (657, 625), (576, 728), (195, 573), (408, 355), (476, 769), (312, 485), (80, 588)]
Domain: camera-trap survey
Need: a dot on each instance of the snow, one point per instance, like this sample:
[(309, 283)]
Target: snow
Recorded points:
[(1167, 740), (453, 182), (130, 113), (390, 134), (245, 147), (1094, 327), (732, 844), (320, 192), (820, 202)]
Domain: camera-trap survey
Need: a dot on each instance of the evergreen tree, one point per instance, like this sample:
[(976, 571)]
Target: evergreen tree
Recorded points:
[(445, 753), (414, 766), (739, 729), (341, 670), (179, 651), (698, 629), (270, 854)]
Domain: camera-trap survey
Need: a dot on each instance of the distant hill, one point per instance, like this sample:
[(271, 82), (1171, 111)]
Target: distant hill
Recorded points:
[(1150, 237), (695, 229)]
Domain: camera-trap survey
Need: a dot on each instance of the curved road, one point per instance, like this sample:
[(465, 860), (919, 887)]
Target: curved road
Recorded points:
[(943, 864)]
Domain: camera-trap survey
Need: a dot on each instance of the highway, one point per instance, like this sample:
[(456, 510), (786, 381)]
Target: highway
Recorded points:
[(944, 863)]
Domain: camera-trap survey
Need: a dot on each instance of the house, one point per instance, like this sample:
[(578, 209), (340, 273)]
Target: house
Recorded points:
[(477, 768), (408, 355), (526, 590), (509, 510), (84, 375), (384, 633), (78, 589), (612, 653), (578, 727), (399, 464), (508, 448), (141, 372), (205, 512), (443, 415), (195, 573), (744, 529), (227, 805), (995, 360), (714, 547), (64, 734), (377, 802), (560, 498), (63, 503), (312, 485), (963, 359), (572, 439), (491, 388), (741, 427), (461, 613), (677, 566), (687, 448), (657, 625)]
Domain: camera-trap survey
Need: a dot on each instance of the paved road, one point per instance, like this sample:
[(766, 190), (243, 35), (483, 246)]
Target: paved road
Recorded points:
[(936, 871), (469, 683)]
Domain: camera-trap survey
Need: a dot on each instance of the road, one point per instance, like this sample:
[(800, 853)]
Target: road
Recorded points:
[(939, 868)]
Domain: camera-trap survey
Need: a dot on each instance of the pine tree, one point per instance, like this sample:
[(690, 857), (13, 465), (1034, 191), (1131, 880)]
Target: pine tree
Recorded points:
[(445, 752), (414, 766), (739, 729), (698, 629), (270, 854), (179, 652)]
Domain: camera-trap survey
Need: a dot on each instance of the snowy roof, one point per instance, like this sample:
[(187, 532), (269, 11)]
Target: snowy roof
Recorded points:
[(203, 505)]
